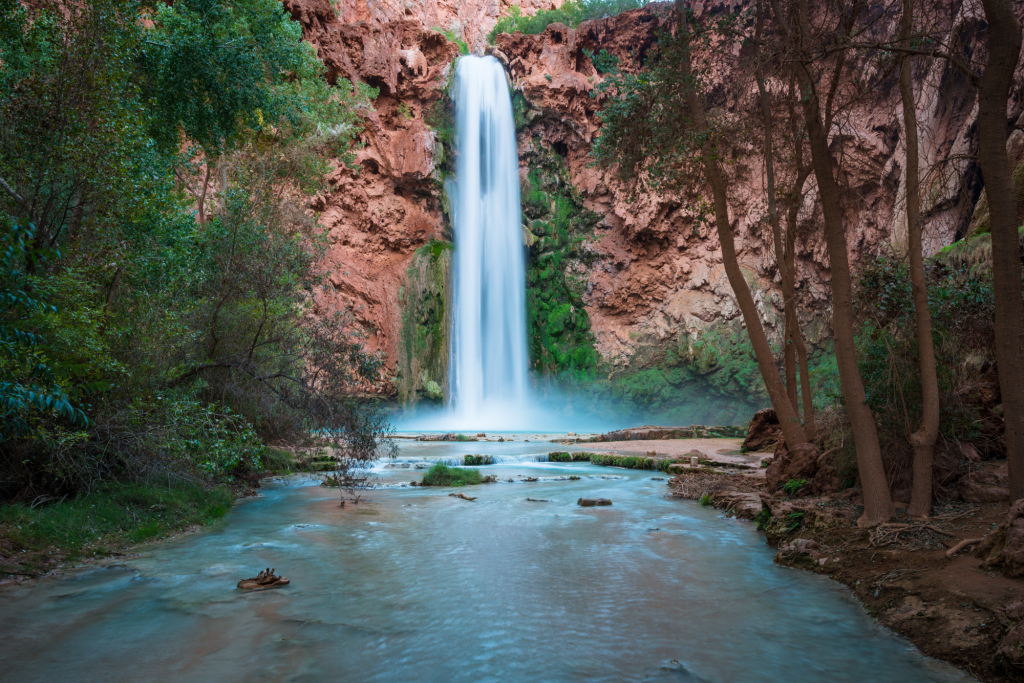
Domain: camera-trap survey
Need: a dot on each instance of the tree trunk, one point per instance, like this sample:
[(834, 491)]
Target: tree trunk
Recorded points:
[(993, 92), (877, 502), (789, 421), (923, 440), (781, 263), (792, 217)]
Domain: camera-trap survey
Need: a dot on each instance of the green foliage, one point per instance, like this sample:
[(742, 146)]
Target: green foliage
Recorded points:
[(218, 70), (186, 345), (570, 13), (106, 519), (705, 500), (763, 519), (279, 461), (453, 37), (563, 456), (33, 382), (477, 460), (792, 486), (604, 61), (443, 475), (961, 301), (794, 520), (647, 134), (424, 340), (629, 462), (558, 327)]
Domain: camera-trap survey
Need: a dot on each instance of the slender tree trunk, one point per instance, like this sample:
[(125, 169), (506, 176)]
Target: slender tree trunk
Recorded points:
[(795, 201), (923, 440), (993, 91), (877, 501), (789, 421), (202, 195), (789, 305)]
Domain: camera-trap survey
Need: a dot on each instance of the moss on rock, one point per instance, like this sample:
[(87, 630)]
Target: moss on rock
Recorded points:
[(423, 347)]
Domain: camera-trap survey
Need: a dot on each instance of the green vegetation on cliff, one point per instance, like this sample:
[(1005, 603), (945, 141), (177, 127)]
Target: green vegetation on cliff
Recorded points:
[(558, 327), (570, 13), (423, 361), (158, 271)]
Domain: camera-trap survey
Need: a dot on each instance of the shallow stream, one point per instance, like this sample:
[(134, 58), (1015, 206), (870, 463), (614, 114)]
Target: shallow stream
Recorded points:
[(413, 585)]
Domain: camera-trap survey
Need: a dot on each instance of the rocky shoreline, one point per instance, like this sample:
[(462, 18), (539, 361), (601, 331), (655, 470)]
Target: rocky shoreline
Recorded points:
[(952, 606)]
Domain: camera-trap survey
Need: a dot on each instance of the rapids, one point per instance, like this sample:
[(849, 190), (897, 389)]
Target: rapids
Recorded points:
[(413, 585)]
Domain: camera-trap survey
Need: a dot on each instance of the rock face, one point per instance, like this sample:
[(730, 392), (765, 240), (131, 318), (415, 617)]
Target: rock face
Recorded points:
[(380, 212), (660, 280), (471, 20), (650, 290)]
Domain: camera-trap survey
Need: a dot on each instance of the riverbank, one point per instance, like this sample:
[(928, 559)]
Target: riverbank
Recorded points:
[(110, 521), (954, 608)]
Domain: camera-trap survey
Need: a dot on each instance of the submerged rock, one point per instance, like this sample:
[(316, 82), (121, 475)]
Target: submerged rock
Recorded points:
[(264, 580), (591, 502)]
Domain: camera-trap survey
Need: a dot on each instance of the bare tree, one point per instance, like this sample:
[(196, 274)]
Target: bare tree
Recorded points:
[(819, 109), (922, 440)]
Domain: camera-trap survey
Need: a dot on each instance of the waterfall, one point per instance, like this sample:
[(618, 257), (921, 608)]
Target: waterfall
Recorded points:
[(488, 365)]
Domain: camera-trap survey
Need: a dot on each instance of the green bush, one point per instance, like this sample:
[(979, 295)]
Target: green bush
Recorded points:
[(570, 13), (443, 475)]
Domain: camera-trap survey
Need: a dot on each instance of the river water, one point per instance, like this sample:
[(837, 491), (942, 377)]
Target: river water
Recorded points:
[(413, 585)]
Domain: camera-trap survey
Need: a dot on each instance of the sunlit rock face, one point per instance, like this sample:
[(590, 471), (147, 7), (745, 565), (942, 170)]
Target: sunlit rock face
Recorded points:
[(658, 280)]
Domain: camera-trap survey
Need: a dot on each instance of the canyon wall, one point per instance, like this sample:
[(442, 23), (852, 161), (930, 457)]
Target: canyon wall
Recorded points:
[(633, 285)]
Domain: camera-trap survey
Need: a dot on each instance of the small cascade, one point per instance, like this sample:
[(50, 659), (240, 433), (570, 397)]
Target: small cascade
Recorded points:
[(489, 360)]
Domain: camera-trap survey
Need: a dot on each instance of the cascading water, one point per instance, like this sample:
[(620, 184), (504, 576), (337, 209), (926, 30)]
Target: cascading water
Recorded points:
[(488, 365)]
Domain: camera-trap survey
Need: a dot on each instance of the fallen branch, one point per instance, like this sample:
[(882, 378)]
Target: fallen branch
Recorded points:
[(463, 496), (961, 545)]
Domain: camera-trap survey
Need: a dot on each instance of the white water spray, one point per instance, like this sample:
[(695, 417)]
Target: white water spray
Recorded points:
[(488, 364)]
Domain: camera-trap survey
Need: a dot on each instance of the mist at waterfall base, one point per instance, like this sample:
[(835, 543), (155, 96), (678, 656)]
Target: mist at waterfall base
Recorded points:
[(489, 383)]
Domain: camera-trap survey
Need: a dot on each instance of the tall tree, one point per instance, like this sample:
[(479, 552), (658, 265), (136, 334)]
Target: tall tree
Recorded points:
[(657, 126), (795, 349), (922, 440), (1004, 48), (818, 110)]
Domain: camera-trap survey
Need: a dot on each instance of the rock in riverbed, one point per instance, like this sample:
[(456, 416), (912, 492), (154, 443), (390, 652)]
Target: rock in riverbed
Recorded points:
[(591, 502)]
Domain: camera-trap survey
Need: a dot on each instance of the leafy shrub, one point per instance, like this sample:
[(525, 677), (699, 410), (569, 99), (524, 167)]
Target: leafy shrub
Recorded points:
[(792, 486), (570, 13), (443, 475)]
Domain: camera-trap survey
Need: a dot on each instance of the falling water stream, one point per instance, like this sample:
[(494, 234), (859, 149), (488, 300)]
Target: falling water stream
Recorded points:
[(488, 365), (413, 585)]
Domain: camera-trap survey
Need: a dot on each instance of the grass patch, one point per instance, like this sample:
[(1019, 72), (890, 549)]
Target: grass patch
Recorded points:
[(115, 515), (477, 460), (279, 461), (443, 475), (563, 456)]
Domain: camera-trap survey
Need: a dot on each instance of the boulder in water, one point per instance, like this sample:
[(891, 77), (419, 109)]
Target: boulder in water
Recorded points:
[(591, 502), (264, 580)]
